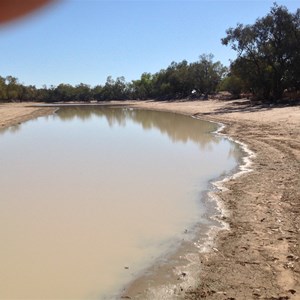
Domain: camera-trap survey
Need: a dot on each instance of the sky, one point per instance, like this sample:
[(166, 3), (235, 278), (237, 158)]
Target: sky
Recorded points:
[(85, 41)]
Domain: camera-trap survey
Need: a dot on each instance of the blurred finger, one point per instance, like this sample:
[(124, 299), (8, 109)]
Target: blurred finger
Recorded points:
[(12, 9)]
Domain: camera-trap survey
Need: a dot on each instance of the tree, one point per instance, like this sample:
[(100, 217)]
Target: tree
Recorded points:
[(45, 95), (82, 92), (268, 52), (3, 89), (13, 88), (63, 92), (180, 79), (206, 74), (28, 93), (143, 87), (97, 92), (232, 84), (115, 89)]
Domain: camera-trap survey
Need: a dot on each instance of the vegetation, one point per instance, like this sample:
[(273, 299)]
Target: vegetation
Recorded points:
[(267, 64), (268, 59), (179, 80)]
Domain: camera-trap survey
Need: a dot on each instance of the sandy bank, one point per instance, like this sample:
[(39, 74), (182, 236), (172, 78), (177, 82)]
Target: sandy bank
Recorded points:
[(259, 257), (15, 113)]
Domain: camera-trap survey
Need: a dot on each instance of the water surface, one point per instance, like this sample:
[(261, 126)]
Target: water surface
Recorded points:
[(91, 196)]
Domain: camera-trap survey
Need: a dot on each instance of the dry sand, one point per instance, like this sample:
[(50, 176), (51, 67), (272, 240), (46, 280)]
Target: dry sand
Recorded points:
[(259, 256), (16, 113)]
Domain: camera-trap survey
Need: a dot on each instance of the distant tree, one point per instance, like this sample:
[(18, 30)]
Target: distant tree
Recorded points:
[(63, 92), (45, 95), (143, 87), (3, 89), (108, 89), (232, 84), (206, 74), (121, 90), (115, 89), (82, 92), (180, 79), (28, 93), (97, 92), (13, 88)]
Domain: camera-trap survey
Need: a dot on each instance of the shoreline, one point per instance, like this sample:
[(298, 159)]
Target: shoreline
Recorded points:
[(183, 265), (13, 114), (258, 258)]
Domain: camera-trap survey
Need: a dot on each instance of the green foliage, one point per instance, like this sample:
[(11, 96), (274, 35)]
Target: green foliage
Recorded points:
[(115, 89), (142, 88), (268, 53), (179, 80), (232, 84), (3, 89), (206, 74)]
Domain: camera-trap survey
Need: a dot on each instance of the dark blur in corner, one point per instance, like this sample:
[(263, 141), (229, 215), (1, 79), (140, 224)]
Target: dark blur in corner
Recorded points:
[(11, 10)]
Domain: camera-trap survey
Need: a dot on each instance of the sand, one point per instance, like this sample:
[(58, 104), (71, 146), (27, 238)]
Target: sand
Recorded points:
[(259, 256), (16, 113)]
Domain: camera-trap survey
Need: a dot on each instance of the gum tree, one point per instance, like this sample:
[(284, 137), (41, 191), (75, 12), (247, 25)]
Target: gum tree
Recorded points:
[(268, 52)]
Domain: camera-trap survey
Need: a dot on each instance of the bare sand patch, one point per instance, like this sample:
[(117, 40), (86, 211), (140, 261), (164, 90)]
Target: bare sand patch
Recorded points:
[(16, 113)]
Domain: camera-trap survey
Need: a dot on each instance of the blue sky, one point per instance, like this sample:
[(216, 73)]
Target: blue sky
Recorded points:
[(76, 41)]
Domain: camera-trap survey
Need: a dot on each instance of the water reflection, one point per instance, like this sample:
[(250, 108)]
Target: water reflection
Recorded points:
[(235, 152), (17, 127), (179, 128), (11, 129)]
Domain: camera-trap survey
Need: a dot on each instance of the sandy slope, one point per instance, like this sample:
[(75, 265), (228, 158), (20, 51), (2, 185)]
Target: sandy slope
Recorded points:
[(15, 113), (259, 257)]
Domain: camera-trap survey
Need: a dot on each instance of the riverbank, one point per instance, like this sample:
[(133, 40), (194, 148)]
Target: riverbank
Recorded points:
[(15, 113), (259, 256)]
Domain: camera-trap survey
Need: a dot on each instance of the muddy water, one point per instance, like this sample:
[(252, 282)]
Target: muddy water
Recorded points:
[(91, 196)]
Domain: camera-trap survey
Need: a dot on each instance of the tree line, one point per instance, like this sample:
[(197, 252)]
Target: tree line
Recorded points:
[(267, 65), (177, 81)]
